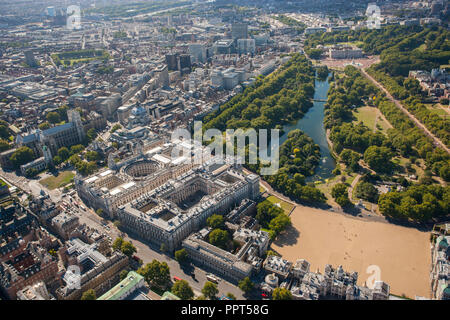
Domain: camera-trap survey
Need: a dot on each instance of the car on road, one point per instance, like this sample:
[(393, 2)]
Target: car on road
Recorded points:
[(211, 278)]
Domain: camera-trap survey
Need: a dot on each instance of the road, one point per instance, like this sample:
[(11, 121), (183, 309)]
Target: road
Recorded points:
[(436, 140), (147, 253)]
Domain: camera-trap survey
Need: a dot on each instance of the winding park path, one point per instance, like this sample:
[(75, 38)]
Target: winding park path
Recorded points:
[(436, 140)]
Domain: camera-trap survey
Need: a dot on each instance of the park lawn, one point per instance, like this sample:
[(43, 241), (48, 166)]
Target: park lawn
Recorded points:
[(436, 109), (352, 43), (383, 125), (81, 60), (366, 115), (64, 178), (400, 161), (328, 185), (286, 206)]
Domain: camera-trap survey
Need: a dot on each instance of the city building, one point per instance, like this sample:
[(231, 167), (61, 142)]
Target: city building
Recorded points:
[(148, 168), (37, 291), (64, 135), (87, 269), (440, 266), (197, 52), (345, 52), (235, 267), (30, 59), (125, 288), (24, 257), (172, 211), (239, 31)]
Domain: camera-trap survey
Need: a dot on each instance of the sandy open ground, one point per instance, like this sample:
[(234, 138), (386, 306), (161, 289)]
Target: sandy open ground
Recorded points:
[(321, 237)]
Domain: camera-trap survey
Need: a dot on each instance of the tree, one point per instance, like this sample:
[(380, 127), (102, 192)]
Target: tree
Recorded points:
[(266, 211), (314, 53), (127, 248), (231, 296), (91, 134), (89, 295), (181, 256), (4, 145), (76, 149), (115, 128), (210, 290), (44, 126), (366, 191), (57, 160), (123, 274), (63, 153), (74, 159), (86, 168), (343, 201), (338, 190), (271, 253), (92, 156), (117, 244), (219, 238), (53, 117), (21, 156), (62, 111), (279, 223), (156, 273), (182, 290), (350, 158), (215, 221), (246, 285), (281, 294), (444, 172), (340, 194), (378, 158)]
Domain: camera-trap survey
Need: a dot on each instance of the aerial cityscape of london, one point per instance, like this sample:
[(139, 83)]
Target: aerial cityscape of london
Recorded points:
[(224, 150)]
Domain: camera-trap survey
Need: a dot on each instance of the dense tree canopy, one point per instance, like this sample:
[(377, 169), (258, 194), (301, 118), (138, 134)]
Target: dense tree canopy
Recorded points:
[(219, 238), (246, 285), (181, 255), (340, 194), (22, 156), (281, 294), (182, 290), (365, 190), (156, 273), (420, 203), (216, 221), (89, 295), (378, 158), (210, 290)]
